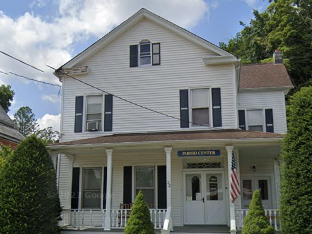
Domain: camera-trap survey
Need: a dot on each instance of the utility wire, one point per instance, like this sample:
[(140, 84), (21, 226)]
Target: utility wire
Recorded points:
[(4, 73), (21, 61), (123, 99), (39, 81)]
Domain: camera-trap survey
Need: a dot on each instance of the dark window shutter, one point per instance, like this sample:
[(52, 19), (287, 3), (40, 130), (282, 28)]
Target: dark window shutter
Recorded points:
[(108, 113), (241, 119), (78, 114), (75, 188), (269, 120), (162, 187), (127, 187), (184, 109), (104, 187), (133, 55), (216, 107), (156, 53)]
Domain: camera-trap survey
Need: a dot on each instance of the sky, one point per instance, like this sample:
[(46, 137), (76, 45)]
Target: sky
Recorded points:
[(51, 32)]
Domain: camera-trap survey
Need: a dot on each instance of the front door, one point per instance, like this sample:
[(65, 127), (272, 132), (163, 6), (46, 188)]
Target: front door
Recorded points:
[(204, 201)]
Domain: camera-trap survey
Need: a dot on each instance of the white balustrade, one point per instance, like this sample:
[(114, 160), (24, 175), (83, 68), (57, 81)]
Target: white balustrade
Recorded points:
[(273, 216), (88, 218)]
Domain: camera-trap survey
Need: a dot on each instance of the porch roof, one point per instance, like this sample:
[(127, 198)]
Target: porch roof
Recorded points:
[(227, 134)]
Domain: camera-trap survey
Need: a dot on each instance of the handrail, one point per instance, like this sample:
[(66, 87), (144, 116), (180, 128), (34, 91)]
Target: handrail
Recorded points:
[(166, 228)]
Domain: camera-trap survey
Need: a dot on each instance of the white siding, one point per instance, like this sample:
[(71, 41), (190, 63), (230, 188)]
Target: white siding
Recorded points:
[(156, 87), (266, 100)]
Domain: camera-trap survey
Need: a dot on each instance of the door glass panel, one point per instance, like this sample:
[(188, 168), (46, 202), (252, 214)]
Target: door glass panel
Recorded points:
[(263, 187), (214, 188), (247, 190), (193, 187)]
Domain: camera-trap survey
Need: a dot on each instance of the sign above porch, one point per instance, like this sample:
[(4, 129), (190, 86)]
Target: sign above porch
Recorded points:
[(195, 153)]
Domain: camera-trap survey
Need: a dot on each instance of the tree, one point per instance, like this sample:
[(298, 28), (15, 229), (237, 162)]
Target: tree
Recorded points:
[(255, 221), (285, 25), (48, 135), (29, 201), (140, 219), (296, 199), (26, 121), (6, 96), (5, 153)]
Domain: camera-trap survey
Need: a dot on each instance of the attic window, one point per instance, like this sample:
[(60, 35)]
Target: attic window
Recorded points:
[(145, 52)]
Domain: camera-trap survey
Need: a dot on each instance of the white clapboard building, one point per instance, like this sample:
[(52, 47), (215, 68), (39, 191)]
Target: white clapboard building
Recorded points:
[(153, 107)]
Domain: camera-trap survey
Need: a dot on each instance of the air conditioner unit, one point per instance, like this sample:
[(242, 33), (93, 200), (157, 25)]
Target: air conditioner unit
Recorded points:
[(93, 126)]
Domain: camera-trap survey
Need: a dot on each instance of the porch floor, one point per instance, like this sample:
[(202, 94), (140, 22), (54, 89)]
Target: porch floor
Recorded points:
[(199, 229)]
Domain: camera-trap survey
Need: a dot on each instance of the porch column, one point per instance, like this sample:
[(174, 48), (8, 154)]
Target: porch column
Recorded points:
[(109, 153), (232, 205), (168, 176)]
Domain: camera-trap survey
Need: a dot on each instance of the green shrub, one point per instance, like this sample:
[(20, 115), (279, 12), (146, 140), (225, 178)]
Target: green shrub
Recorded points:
[(140, 220), (296, 189), (255, 221), (29, 201), (5, 153)]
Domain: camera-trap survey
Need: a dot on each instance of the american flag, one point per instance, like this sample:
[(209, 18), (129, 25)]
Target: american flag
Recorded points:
[(234, 185)]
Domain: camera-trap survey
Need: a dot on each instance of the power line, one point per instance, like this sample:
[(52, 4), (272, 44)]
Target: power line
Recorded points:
[(125, 100), (21, 61), (39, 81), (4, 73)]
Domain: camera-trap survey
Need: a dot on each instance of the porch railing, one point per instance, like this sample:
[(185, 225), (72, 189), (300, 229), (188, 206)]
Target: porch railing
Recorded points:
[(272, 215), (96, 218)]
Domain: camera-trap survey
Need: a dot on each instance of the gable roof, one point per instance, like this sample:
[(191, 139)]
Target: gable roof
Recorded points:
[(8, 129), (134, 19), (266, 75)]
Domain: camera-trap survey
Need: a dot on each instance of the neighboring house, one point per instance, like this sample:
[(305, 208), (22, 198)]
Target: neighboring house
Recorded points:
[(9, 134), (176, 108)]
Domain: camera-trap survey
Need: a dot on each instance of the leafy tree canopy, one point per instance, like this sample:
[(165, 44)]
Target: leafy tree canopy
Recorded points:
[(48, 135), (285, 25), (6, 97), (26, 121)]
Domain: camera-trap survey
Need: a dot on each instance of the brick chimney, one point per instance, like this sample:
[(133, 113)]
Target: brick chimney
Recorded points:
[(278, 57)]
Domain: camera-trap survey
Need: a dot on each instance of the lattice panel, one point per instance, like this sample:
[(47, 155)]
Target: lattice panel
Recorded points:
[(204, 165)]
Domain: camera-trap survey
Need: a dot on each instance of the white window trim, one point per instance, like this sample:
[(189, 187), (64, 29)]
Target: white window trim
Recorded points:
[(84, 124), (80, 200), (139, 53), (263, 118), (191, 109), (155, 181)]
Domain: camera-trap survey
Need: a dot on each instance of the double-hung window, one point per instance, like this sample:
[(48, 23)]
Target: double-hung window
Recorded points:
[(255, 120), (200, 101), (250, 185), (94, 109), (91, 188), (145, 181), (145, 53)]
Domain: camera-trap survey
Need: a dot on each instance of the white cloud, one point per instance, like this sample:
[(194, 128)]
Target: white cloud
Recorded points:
[(215, 5), (251, 3), (50, 98), (50, 121), (39, 42)]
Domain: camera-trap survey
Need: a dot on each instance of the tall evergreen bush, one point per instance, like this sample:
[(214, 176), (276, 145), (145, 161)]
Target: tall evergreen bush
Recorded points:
[(255, 221), (140, 220), (29, 201), (296, 199)]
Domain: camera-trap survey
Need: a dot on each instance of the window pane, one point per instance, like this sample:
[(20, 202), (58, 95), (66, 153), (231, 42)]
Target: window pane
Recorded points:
[(94, 108), (94, 99), (148, 196), (156, 49), (145, 60), (200, 117), (156, 59), (91, 199), (255, 117), (92, 178), (94, 117), (200, 98), (247, 190), (263, 187), (145, 177), (256, 128), (145, 48), (193, 187)]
